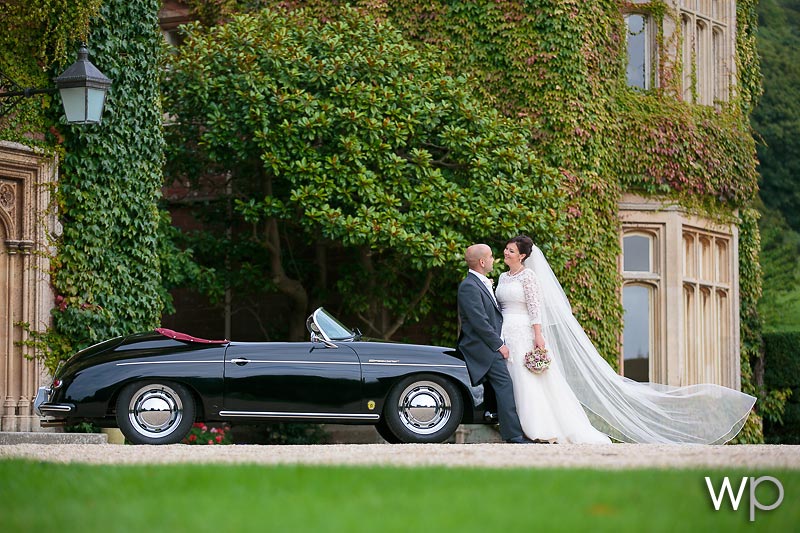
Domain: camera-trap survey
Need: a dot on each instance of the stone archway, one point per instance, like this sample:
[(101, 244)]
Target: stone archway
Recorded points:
[(25, 292)]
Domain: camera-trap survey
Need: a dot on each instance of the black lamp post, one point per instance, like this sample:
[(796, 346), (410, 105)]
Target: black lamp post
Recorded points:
[(82, 86)]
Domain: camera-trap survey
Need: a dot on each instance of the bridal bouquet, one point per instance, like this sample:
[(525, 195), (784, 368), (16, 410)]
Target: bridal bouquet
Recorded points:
[(537, 360)]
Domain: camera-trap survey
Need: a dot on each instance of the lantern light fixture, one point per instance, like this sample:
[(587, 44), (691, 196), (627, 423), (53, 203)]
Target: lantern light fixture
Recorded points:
[(82, 86)]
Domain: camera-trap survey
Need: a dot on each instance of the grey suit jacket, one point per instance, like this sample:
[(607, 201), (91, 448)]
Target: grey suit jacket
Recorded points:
[(481, 323)]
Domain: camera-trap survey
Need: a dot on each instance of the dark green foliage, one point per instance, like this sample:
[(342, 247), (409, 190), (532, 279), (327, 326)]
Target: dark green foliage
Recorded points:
[(782, 351), (780, 257), (751, 322), (82, 427), (776, 119), (782, 373), (107, 271), (561, 64), (344, 136)]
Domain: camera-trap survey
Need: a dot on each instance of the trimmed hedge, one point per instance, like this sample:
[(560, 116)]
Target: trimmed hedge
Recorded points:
[(781, 371)]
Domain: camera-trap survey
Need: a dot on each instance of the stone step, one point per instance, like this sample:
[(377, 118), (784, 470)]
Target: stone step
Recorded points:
[(34, 437)]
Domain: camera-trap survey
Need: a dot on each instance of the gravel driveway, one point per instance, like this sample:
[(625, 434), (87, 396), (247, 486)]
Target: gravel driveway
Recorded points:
[(613, 456)]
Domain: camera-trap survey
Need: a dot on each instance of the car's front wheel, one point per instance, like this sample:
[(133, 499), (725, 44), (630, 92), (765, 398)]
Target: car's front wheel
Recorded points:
[(155, 412), (386, 433), (423, 408)]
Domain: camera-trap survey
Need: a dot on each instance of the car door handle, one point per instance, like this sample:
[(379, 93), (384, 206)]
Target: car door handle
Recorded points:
[(241, 361)]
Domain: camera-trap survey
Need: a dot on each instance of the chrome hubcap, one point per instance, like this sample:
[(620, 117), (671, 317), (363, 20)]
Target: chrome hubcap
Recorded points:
[(424, 407), (155, 410)]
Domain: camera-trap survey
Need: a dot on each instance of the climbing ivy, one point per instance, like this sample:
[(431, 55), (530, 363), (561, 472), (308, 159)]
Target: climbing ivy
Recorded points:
[(751, 323), (561, 65), (107, 269), (562, 62)]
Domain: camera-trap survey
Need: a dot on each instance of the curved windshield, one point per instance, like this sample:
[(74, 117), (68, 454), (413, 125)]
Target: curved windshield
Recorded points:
[(331, 329)]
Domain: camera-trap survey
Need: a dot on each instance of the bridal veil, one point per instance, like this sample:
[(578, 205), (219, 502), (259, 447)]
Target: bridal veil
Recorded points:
[(624, 409)]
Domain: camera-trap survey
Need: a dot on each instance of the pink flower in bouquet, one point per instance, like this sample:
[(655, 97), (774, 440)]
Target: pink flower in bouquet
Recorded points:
[(537, 360)]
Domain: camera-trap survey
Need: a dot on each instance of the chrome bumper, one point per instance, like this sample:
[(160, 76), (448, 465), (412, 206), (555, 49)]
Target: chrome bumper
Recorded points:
[(42, 407)]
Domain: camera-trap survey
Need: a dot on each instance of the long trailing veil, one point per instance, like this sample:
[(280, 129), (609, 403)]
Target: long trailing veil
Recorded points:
[(624, 409)]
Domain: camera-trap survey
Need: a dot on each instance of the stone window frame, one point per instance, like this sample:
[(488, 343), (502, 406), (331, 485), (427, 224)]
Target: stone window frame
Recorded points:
[(652, 280), (672, 360), (707, 43), (651, 48), (706, 281)]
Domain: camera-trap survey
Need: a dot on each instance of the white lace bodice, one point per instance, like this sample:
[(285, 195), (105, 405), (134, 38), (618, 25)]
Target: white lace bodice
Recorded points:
[(519, 294)]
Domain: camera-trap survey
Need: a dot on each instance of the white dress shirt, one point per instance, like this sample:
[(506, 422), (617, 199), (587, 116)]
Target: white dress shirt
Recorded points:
[(486, 281)]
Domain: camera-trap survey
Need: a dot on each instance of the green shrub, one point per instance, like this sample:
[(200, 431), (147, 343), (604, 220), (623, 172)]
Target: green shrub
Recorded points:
[(782, 377)]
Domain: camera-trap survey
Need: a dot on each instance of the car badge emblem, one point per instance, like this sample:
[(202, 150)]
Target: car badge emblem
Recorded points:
[(370, 405)]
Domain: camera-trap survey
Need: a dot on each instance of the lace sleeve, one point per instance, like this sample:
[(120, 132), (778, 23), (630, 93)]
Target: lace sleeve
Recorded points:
[(530, 285)]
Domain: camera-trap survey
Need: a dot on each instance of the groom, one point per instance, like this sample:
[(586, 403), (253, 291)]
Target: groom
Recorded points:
[(484, 351)]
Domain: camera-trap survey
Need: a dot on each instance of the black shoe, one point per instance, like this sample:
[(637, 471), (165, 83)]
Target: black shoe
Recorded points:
[(520, 440), (490, 417)]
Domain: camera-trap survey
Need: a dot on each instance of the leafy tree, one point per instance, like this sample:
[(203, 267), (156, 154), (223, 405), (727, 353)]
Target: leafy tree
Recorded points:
[(342, 144), (776, 120), (777, 117), (780, 256)]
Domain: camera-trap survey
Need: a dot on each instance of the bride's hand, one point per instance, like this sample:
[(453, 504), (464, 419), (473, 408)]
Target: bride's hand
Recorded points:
[(539, 341)]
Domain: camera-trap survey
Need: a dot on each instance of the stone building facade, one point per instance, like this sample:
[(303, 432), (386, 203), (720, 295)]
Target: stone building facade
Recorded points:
[(680, 272), (26, 222)]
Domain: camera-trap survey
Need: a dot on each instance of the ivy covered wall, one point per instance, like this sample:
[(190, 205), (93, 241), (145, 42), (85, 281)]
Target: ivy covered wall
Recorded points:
[(562, 64), (107, 276)]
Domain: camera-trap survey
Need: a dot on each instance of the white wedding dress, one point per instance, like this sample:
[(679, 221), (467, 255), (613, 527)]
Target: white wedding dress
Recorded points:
[(548, 409), (580, 386)]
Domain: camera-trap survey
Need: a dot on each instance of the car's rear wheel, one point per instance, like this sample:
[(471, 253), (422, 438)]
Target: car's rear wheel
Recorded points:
[(423, 408), (155, 412)]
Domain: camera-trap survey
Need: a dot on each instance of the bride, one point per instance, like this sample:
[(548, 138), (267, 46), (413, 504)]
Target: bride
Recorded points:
[(580, 398)]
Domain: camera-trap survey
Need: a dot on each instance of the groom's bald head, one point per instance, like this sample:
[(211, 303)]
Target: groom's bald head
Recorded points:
[(475, 254)]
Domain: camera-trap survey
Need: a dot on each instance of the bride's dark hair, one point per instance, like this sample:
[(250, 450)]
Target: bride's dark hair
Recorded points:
[(524, 245)]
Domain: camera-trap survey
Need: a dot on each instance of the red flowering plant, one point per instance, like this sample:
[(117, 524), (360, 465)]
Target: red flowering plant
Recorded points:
[(201, 433)]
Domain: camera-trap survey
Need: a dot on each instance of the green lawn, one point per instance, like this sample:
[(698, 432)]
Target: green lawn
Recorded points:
[(44, 497)]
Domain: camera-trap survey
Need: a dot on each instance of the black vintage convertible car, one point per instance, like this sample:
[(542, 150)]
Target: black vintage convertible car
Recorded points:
[(154, 385)]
